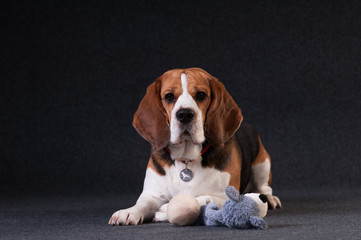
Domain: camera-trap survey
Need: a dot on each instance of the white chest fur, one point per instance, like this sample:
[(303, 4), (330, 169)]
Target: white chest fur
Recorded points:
[(206, 181), (207, 185)]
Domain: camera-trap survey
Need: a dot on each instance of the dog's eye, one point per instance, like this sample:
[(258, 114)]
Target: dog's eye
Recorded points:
[(169, 97), (201, 96)]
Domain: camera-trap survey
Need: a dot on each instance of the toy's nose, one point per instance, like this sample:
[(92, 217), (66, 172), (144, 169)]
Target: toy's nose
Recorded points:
[(263, 198)]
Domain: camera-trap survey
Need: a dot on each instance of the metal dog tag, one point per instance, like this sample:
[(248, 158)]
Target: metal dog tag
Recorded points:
[(186, 175)]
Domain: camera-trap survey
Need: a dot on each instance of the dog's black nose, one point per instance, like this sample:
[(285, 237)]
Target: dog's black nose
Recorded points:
[(263, 198), (185, 115)]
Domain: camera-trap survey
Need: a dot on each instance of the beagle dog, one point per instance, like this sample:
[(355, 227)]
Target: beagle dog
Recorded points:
[(199, 146)]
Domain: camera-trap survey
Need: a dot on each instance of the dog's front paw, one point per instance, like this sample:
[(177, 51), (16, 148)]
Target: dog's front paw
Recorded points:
[(161, 214), (126, 217), (274, 202), (204, 200)]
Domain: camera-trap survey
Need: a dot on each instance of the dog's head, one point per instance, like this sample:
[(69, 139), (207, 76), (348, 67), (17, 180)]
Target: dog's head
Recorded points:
[(187, 104)]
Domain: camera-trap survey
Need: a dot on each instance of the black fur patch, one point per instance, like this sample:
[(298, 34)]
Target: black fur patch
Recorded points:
[(217, 156), (161, 155), (248, 142), (165, 155)]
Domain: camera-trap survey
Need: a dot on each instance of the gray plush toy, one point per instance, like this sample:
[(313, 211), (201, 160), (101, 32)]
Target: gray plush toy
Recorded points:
[(240, 211)]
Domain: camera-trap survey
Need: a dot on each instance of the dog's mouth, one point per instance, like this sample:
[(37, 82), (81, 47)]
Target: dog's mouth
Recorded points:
[(186, 133), (184, 136)]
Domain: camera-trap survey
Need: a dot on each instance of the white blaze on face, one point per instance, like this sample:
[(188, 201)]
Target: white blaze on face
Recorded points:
[(195, 127)]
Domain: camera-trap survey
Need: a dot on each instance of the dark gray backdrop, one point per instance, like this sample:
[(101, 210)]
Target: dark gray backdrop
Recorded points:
[(72, 75)]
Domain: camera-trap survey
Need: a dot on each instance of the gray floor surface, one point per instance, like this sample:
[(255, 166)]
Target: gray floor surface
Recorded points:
[(331, 214)]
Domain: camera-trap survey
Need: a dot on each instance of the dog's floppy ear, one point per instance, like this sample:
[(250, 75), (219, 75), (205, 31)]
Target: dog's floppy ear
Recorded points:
[(223, 116), (150, 120)]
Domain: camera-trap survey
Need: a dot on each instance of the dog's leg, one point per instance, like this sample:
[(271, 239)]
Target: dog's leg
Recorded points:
[(161, 214), (261, 179), (152, 197), (144, 210)]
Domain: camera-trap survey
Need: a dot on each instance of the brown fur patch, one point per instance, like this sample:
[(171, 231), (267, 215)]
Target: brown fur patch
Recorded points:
[(262, 154), (234, 166), (261, 158)]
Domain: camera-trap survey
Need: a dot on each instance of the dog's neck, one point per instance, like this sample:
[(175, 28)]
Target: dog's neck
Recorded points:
[(186, 150)]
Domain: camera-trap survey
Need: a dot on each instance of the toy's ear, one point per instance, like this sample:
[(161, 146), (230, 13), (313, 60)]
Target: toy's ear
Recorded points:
[(232, 193)]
